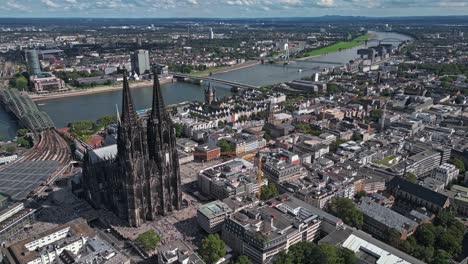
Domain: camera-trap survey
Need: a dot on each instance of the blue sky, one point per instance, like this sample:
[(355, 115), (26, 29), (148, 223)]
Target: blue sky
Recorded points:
[(228, 8)]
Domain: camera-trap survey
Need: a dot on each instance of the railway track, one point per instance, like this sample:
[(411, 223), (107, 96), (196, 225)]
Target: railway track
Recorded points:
[(51, 146)]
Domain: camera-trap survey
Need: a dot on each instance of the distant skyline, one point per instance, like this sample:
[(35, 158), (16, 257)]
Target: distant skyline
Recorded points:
[(228, 8)]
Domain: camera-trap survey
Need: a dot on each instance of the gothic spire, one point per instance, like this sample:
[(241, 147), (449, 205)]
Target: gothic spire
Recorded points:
[(128, 110), (158, 110)]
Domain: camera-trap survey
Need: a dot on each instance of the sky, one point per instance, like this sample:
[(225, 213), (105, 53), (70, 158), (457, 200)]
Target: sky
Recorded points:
[(228, 8)]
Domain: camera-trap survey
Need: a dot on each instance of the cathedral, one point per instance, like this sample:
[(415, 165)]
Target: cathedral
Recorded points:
[(143, 180)]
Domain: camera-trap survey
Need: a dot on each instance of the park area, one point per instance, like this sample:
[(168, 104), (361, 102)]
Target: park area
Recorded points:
[(339, 46)]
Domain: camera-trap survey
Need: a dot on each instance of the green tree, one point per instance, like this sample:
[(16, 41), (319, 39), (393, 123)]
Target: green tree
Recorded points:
[(283, 258), (22, 142), (360, 194), (347, 256), (333, 88), (411, 177), (345, 209), (243, 260), (392, 237), (330, 252), (106, 120), (149, 240), (425, 235), (21, 83), (334, 145), (269, 191), (309, 253), (423, 253), (376, 113), (449, 243), (212, 249), (441, 257), (458, 163), (21, 132), (179, 129), (10, 149), (225, 146), (82, 126)]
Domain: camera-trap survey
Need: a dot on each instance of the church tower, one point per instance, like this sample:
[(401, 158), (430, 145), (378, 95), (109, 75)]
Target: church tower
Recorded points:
[(210, 94), (163, 154)]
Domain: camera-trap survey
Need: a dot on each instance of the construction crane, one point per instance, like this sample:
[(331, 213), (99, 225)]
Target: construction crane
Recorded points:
[(259, 176)]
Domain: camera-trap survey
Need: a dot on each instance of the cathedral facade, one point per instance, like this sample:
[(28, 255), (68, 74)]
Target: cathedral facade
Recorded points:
[(143, 180)]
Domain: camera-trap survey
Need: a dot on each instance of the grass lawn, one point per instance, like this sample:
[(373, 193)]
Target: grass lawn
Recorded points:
[(206, 70), (339, 46), (386, 161)]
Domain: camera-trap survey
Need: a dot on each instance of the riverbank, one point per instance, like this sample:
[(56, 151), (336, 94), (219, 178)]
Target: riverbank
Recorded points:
[(134, 85), (337, 47), (225, 69), (95, 90)]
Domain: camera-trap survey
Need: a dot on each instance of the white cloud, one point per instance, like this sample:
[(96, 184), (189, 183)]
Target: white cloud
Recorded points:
[(326, 3), (50, 3), (14, 5)]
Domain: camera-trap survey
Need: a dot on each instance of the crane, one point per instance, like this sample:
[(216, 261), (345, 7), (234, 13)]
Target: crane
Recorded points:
[(259, 176)]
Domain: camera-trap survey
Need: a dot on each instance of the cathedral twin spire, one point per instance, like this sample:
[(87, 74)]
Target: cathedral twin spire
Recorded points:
[(129, 115)]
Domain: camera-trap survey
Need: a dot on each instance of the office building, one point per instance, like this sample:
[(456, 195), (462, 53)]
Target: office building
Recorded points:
[(73, 242), (32, 61), (263, 231), (207, 152), (211, 216), (445, 173), (178, 252), (211, 36), (236, 177), (140, 62), (279, 171), (461, 199), (47, 82), (14, 218)]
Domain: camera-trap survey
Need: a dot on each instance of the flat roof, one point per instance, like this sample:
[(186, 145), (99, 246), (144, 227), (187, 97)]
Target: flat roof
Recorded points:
[(357, 240), (78, 228), (21, 178), (214, 209)]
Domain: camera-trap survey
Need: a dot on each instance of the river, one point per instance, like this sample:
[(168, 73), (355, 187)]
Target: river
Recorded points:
[(92, 106)]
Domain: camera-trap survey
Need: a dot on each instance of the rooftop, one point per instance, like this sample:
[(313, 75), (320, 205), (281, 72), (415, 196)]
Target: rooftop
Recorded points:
[(104, 153), (21, 178), (24, 255), (385, 215), (359, 241), (214, 209), (419, 191)]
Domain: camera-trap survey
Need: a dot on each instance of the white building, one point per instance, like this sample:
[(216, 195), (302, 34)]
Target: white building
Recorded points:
[(445, 173)]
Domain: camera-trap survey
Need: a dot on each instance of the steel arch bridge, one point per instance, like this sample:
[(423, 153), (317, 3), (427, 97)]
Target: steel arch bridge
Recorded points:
[(395, 40)]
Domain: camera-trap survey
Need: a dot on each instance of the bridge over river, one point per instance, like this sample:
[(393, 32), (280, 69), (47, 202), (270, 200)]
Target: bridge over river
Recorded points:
[(216, 80)]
